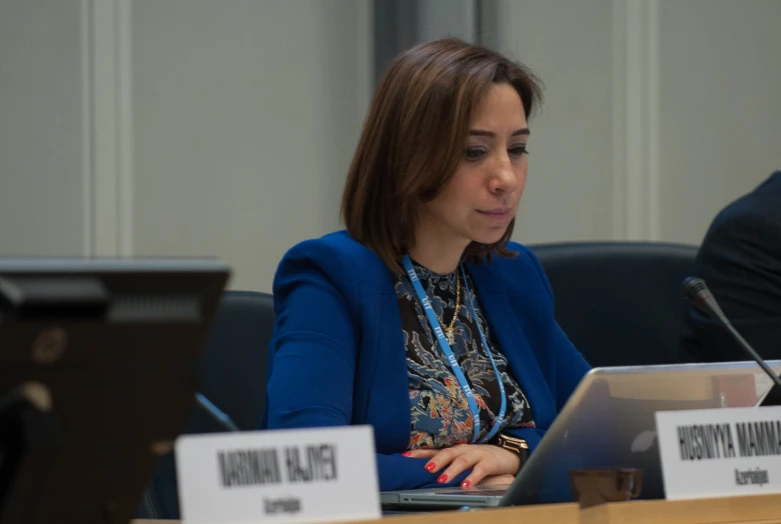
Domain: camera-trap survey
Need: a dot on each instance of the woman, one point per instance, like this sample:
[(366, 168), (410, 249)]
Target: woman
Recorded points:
[(422, 319)]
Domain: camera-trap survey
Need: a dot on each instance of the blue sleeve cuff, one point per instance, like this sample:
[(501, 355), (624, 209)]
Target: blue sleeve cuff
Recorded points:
[(398, 472)]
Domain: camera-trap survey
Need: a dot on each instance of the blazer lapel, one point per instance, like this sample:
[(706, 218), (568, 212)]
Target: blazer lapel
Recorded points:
[(391, 374), (382, 367)]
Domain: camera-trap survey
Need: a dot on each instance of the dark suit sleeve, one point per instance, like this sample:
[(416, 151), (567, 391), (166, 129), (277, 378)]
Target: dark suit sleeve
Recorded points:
[(740, 259), (313, 357), (570, 364)]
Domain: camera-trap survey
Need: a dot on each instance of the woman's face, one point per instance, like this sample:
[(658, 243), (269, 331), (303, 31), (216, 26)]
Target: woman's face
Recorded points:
[(481, 199)]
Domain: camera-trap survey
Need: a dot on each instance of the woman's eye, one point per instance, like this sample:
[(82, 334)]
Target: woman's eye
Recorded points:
[(518, 150), (473, 153)]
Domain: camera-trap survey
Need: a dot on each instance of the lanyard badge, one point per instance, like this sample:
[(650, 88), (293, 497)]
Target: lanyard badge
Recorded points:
[(448, 352)]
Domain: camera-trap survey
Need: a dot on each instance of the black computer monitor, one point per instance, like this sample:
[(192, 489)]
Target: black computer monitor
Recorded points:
[(98, 367)]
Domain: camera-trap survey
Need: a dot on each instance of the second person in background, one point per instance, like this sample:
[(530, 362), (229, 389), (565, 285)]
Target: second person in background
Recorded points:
[(422, 318)]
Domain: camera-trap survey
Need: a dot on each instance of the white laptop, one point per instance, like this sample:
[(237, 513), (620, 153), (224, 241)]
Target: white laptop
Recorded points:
[(607, 422)]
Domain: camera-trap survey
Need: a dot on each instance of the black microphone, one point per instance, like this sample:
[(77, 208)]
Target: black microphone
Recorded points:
[(216, 413), (697, 292)]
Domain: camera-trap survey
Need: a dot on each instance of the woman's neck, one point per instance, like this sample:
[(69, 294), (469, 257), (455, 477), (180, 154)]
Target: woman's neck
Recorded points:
[(438, 253)]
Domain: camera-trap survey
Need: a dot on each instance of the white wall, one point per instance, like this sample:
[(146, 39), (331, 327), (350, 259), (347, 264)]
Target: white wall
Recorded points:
[(657, 113), (720, 111), (195, 127), (178, 127), (41, 142), (245, 115)]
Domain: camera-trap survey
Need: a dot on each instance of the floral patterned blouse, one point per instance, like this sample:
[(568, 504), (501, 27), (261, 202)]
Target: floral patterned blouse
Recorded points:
[(440, 414)]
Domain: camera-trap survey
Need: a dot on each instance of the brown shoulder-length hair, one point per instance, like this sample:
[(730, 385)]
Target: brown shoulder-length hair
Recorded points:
[(414, 137)]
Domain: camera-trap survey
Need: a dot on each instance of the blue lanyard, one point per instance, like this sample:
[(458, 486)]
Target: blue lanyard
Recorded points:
[(443, 344)]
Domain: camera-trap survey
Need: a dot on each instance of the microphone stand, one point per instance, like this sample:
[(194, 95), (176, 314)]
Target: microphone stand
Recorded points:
[(697, 292)]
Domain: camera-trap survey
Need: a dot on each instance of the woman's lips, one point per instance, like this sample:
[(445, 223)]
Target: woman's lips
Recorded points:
[(498, 214)]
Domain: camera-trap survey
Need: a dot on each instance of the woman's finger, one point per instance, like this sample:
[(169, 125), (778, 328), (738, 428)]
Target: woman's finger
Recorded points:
[(421, 453), (469, 458), (443, 457)]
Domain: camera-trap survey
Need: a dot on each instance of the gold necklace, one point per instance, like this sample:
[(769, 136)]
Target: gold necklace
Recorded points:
[(451, 338)]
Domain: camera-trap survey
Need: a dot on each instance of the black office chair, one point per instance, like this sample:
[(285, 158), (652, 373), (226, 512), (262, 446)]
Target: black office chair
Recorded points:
[(619, 302), (233, 377)]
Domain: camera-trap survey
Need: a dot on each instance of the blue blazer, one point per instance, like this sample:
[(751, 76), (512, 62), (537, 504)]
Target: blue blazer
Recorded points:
[(337, 355)]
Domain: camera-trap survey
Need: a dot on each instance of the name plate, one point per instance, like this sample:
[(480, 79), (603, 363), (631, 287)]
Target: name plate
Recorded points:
[(300, 475), (720, 452)]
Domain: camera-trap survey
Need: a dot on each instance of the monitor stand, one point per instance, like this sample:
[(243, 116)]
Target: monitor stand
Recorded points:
[(29, 442)]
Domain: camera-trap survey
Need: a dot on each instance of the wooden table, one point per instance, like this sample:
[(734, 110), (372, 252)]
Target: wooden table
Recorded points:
[(543, 514), (755, 509), (759, 509)]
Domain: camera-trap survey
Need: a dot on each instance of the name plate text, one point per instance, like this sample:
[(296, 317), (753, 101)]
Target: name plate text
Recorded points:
[(301, 475), (720, 452)]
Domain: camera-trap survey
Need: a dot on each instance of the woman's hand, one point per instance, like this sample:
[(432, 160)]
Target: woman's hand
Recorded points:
[(484, 459)]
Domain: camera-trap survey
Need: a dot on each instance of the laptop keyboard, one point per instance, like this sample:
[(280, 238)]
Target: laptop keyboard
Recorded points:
[(487, 492), (475, 490)]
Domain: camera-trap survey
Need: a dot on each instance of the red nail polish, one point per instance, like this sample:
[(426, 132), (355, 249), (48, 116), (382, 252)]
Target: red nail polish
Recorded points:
[(406, 454), (465, 484), (442, 479), (430, 466)]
